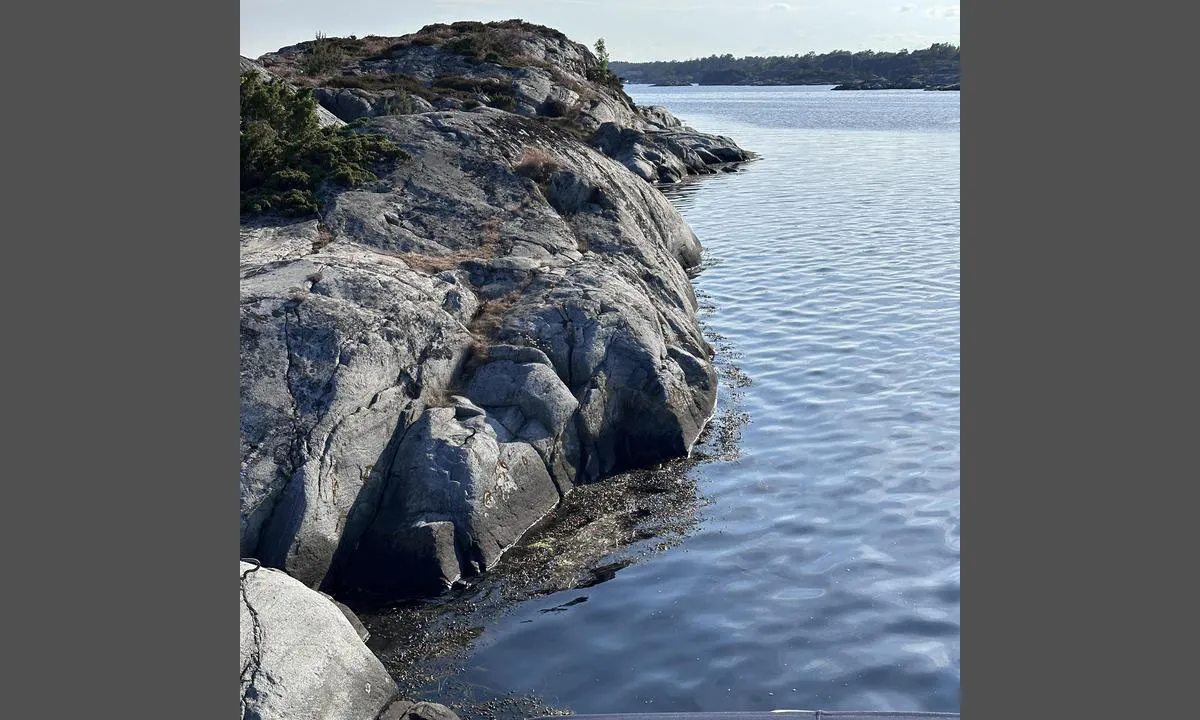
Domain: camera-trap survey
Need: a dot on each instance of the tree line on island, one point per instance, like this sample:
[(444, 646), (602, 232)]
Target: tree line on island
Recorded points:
[(935, 67)]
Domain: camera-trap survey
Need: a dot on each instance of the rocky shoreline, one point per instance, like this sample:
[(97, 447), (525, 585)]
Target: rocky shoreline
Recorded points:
[(885, 84), (431, 365)]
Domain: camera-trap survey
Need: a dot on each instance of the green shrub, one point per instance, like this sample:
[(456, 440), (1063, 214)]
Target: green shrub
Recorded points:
[(394, 81), (326, 54), (397, 104), (286, 155), (463, 46), (503, 102), (472, 84)]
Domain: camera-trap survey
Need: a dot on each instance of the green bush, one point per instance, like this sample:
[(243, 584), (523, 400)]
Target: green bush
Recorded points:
[(463, 46), (286, 155), (504, 102), (472, 84), (326, 54), (376, 83)]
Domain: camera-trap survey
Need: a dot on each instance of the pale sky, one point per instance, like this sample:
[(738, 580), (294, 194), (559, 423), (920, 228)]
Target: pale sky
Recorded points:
[(633, 30)]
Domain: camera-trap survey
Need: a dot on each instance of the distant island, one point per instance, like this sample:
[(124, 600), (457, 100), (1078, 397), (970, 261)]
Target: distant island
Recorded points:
[(935, 67)]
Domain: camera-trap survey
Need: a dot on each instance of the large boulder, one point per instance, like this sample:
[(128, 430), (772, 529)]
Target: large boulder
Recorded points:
[(457, 499), (301, 659)]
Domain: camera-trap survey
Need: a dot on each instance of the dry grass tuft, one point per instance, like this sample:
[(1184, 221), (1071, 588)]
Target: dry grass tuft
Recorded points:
[(536, 164), (324, 237), (490, 315), (484, 328), (431, 264)]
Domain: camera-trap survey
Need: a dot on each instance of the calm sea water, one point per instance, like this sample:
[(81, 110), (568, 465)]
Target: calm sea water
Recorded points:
[(824, 569)]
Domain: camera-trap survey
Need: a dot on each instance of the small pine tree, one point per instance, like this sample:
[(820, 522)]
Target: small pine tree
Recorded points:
[(602, 55)]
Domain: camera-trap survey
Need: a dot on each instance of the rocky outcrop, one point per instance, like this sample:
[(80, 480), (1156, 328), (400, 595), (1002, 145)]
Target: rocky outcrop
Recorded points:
[(526, 69), (667, 154), (428, 371), (880, 83), (301, 658), (538, 70)]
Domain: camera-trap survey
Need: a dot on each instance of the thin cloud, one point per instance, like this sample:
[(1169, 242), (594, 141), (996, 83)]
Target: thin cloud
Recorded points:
[(891, 42), (949, 12), (780, 7), (906, 8)]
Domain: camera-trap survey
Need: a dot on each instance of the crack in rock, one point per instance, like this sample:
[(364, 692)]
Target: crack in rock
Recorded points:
[(254, 662)]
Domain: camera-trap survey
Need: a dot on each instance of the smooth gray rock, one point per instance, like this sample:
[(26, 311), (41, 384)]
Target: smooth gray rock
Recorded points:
[(518, 354), (419, 104), (658, 116), (429, 711), (427, 374), (300, 656), (452, 474), (339, 348), (398, 710), (349, 104), (533, 389), (568, 193), (409, 710), (355, 622)]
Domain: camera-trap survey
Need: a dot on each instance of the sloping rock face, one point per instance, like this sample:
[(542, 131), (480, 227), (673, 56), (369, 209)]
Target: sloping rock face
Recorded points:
[(337, 348), (505, 315), (527, 69), (300, 657)]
